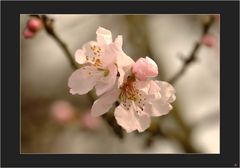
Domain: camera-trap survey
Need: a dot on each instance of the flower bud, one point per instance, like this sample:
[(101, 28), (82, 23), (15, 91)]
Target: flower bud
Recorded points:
[(34, 24), (144, 68), (62, 112), (209, 40), (90, 122)]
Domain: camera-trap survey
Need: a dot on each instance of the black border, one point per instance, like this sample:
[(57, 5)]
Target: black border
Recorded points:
[(10, 65)]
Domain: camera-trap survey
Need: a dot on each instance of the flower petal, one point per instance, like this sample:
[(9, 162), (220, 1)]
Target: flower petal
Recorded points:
[(160, 105), (106, 83), (157, 108), (119, 41), (130, 120), (105, 102), (104, 36), (124, 64), (83, 80), (80, 57), (86, 54), (110, 54), (167, 91), (144, 68)]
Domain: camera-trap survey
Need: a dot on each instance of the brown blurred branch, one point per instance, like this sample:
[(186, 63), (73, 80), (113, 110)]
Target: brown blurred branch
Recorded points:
[(192, 56), (49, 28)]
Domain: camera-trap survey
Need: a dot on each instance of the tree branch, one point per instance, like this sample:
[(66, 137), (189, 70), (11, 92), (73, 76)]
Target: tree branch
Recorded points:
[(192, 58)]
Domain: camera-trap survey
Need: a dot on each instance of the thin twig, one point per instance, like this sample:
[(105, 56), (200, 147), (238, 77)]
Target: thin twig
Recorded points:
[(192, 58), (48, 25)]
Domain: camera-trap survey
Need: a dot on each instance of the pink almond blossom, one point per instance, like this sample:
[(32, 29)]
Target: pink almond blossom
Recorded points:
[(99, 64), (144, 68), (139, 100)]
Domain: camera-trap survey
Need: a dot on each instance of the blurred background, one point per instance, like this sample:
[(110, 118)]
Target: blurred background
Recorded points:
[(54, 121)]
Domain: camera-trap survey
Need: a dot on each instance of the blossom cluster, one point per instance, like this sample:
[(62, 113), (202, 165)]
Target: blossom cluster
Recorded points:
[(117, 78)]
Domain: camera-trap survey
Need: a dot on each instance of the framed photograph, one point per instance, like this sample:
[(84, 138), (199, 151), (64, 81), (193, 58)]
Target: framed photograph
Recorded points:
[(124, 83)]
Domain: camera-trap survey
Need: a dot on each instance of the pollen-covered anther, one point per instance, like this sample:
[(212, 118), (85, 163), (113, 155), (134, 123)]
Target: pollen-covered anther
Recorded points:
[(98, 62)]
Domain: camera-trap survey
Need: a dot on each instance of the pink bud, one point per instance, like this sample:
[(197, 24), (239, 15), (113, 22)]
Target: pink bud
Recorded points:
[(209, 40), (144, 68), (34, 24), (27, 33), (62, 112)]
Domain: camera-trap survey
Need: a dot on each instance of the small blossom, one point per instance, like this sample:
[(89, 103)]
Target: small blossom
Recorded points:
[(139, 100), (99, 64), (209, 40), (62, 112), (144, 68)]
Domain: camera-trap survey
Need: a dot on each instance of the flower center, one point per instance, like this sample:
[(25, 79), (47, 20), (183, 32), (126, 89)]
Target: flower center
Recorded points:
[(95, 59), (129, 93)]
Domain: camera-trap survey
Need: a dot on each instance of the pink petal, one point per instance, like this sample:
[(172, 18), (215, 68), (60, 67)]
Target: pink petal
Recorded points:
[(106, 83), (105, 102), (144, 68), (104, 36), (110, 54), (83, 80), (130, 120), (150, 88)]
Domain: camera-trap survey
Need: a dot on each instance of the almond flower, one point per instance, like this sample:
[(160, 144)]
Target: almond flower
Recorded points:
[(99, 67), (138, 101)]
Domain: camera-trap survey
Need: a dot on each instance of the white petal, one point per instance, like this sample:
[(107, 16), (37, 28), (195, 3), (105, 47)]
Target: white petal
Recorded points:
[(130, 120), (83, 80), (110, 54), (105, 102), (107, 82), (85, 54), (119, 41), (124, 60), (157, 108), (80, 57), (104, 36), (124, 63), (167, 91)]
